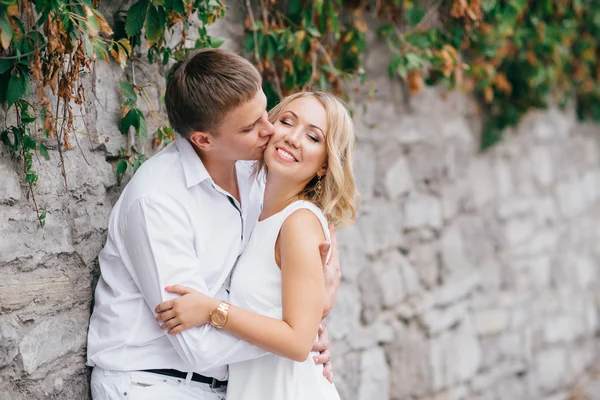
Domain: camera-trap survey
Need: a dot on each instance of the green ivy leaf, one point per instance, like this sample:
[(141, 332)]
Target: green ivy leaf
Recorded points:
[(44, 151), (488, 5), (16, 87), (136, 15), (271, 47), (31, 177), (5, 65), (415, 14), (249, 43), (155, 24), (121, 168), (128, 92), (42, 218), (216, 41), (131, 119), (176, 5), (313, 31)]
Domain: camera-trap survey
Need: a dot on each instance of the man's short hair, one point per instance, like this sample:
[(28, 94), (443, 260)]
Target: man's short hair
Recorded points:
[(207, 85)]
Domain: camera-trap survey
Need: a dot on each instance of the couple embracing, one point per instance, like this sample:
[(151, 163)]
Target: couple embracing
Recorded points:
[(173, 318)]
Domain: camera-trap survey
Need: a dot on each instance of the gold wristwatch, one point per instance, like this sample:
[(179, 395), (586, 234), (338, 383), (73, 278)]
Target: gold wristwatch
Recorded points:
[(218, 317)]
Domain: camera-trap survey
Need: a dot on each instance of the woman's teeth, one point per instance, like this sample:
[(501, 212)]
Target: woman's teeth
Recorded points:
[(285, 154)]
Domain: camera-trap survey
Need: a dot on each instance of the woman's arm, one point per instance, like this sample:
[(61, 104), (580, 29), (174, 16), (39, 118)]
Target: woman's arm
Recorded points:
[(302, 297)]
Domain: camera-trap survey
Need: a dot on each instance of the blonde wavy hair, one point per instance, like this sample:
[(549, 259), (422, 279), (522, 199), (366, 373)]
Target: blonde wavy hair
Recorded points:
[(337, 197)]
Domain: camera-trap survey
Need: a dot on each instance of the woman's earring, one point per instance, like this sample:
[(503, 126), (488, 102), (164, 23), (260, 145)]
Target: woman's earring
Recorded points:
[(318, 187)]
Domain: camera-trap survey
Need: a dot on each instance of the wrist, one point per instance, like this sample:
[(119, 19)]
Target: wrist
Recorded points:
[(219, 314)]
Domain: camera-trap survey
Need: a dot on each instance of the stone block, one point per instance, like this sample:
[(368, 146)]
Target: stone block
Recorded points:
[(542, 164), (571, 201), (396, 278), (422, 211), (437, 320), (54, 337), (453, 253), (365, 161), (482, 182), (345, 316), (352, 252), (398, 180), (455, 356), (496, 374), (371, 295), (490, 322), (550, 369), (409, 363), (347, 374), (518, 231), (455, 288), (369, 336), (454, 197), (21, 236), (425, 258), (503, 178), (380, 226), (9, 182), (375, 375)]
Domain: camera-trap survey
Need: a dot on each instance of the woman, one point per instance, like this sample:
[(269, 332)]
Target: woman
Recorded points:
[(309, 180)]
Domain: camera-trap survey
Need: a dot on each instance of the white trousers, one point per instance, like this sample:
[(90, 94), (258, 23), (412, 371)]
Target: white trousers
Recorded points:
[(137, 385)]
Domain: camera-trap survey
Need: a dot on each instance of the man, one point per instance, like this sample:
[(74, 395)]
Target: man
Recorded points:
[(184, 218)]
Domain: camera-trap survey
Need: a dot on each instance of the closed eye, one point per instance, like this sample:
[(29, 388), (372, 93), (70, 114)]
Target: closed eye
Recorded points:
[(314, 138), (286, 122)]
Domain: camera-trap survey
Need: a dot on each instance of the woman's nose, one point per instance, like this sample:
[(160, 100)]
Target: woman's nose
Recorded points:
[(293, 138)]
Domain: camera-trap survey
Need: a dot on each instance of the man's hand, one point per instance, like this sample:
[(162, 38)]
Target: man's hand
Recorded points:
[(331, 271), (322, 346)]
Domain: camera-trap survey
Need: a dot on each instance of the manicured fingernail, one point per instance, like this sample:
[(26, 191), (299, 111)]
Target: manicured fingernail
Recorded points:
[(326, 247), (316, 359), (321, 326)]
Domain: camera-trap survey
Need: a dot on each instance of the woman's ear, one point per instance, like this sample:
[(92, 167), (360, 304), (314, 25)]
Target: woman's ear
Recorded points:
[(201, 140), (322, 171)]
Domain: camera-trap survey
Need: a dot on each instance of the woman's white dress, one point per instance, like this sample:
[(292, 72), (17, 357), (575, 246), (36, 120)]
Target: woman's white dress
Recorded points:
[(256, 286)]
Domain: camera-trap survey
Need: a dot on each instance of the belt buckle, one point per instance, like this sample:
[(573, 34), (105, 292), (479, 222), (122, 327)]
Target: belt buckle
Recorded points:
[(213, 384)]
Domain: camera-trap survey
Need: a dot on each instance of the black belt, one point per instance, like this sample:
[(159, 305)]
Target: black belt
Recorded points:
[(214, 383)]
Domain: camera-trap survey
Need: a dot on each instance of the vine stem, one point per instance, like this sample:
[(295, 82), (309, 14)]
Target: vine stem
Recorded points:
[(256, 56), (37, 209), (23, 55)]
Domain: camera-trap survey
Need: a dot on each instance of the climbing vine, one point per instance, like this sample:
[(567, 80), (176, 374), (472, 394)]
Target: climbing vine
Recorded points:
[(513, 55)]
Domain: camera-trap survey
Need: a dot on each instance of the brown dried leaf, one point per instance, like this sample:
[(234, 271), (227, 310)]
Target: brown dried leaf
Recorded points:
[(502, 83), (68, 145), (459, 8), (488, 94), (415, 81), (104, 27)]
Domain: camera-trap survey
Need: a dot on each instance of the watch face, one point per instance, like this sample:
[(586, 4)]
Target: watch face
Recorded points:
[(218, 318)]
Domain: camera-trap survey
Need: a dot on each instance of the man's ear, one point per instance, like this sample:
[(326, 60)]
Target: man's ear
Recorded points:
[(202, 140)]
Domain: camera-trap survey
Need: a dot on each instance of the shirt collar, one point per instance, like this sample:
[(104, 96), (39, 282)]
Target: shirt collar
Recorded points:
[(193, 168)]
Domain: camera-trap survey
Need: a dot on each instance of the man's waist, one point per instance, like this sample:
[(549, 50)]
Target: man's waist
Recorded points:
[(128, 358)]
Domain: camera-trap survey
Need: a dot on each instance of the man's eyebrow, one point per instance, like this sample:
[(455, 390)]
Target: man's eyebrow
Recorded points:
[(251, 125), (311, 125)]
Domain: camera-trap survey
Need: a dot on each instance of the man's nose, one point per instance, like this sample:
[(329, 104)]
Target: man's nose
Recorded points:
[(268, 129)]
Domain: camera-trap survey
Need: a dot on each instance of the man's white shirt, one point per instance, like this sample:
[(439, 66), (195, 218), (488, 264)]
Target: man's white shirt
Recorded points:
[(171, 225)]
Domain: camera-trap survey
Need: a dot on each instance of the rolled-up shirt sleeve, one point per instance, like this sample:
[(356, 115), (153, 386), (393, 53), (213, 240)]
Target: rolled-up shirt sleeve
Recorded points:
[(157, 246)]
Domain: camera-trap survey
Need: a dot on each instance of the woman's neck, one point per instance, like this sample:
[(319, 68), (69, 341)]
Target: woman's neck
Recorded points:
[(279, 193)]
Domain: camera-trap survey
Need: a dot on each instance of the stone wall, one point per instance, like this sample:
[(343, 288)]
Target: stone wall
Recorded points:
[(466, 276)]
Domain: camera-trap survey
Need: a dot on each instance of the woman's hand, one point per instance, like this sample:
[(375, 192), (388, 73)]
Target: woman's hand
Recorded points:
[(191, 309)]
